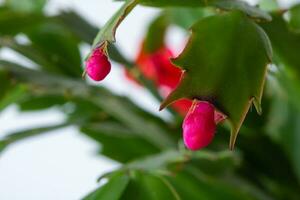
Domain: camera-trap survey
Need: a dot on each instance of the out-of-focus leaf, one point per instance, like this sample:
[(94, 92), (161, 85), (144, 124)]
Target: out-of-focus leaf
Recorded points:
[(20, 135), (2, 145), (268, 5), (186, 17), (156, 33), (26, 5), (32, 103), (272, 174), (193, 185), (284, 128), (36, 55), (145, 186), (159, 161), (12, 22), (216, 74), (118, 142), (286, 56), (5, 83), (170, 159), (58, 46), (243, 6), (112, 190), (78, 25), (118, 107), (295, 18), (285, 50), (14, 95)]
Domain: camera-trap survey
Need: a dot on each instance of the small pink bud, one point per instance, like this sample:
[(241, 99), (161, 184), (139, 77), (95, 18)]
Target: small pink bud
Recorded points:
[(98, 65), (199, 125)]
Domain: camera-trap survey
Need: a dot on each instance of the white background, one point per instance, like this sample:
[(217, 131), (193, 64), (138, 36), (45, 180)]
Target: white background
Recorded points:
[(63, 165)]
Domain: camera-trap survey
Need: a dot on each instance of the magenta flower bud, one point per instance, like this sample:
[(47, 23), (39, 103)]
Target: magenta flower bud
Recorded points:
[(98, 65), (199, 125)]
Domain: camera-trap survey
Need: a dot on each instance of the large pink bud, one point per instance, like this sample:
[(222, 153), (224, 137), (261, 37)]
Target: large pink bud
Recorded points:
[(199, 125), (98, 65)]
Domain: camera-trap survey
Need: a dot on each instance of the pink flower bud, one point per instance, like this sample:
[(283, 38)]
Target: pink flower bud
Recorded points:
[(199, 125), (98, 65)]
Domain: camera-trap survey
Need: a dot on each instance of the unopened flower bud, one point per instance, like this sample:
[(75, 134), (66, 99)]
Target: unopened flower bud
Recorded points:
[(98, 65), (199, 125)]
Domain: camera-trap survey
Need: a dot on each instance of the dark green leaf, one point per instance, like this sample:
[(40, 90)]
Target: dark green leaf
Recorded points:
[(284, 128), (39, 56), (192, 184), (12, 22), (32, 103), (5, 83), (58, 46), (118, 142)]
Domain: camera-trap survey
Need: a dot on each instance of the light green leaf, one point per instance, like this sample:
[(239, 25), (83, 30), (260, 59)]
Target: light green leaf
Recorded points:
[(228, 69), (14, 94), (26, 5), (295, 18), (268, 5)]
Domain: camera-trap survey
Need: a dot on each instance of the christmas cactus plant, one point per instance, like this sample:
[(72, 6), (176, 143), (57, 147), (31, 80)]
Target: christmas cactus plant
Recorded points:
[(214, 145)]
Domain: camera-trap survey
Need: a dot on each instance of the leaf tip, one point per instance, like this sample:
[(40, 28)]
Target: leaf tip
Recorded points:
[(257, 106), (173, 96), (233, 136)]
